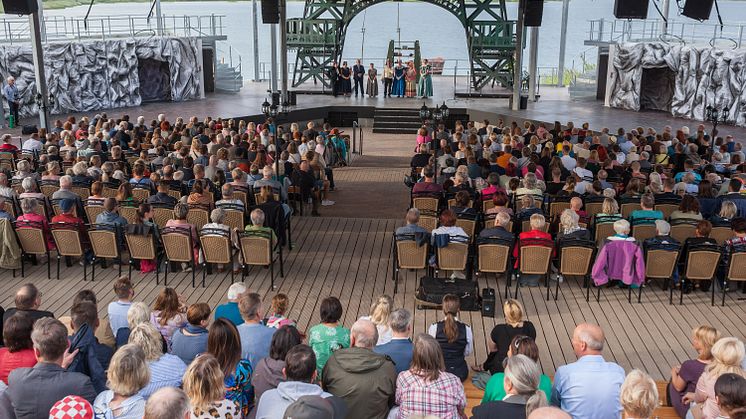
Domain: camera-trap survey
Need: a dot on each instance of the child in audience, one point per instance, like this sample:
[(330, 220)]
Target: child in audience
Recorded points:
[(277, 312), (118, 309)]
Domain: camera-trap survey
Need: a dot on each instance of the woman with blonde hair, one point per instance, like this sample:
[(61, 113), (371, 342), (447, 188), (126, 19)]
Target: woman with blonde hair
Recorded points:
[(639, 395), (203, 385), (427, 379), (727, 357), (609, 208), (502, 334), (379, 315), (523, 396), (455, 337), (166, 370), (684, 377), (127, 374)]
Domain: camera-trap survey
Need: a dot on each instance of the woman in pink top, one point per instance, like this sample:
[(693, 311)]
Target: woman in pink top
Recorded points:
[(727, 357), (423, 137), (19, 350), (28, 206)]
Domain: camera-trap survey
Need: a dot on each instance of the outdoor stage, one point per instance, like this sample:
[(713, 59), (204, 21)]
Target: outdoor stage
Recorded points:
[(554, 105)]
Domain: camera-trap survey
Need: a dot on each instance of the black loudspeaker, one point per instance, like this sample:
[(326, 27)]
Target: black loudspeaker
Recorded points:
[(20, 7), (533, 13), (631, 9), (270, 11), (29, 129), (698, 9), (488, 302)]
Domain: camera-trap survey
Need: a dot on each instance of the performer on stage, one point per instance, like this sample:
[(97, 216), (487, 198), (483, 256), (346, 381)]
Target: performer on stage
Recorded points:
[(425, 87), (398, 89), (411, 88), (358, 72), (345, 85), (334, 78), (372, 87), (388, 78)]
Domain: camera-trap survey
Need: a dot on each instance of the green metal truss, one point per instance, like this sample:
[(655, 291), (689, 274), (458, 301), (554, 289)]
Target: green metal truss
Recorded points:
[(319, 37)]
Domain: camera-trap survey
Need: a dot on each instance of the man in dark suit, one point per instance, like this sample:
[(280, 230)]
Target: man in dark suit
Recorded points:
[(358, 73), (28, 300), (162, 196), (33, 391), (399, 349), (500, 230)]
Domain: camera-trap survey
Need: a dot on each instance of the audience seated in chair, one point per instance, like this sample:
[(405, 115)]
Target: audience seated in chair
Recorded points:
[(229, 310), (455, 337)]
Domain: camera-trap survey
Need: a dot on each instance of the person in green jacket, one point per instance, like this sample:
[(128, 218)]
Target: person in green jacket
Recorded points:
[(522, 345)]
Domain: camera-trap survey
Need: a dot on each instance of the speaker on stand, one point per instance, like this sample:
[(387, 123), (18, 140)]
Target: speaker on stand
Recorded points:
[(270, 11), (631, 9), (533, 13), (20, 7)]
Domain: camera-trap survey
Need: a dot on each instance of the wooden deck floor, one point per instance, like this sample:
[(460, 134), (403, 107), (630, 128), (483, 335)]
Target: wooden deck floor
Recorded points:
[(350, 258)]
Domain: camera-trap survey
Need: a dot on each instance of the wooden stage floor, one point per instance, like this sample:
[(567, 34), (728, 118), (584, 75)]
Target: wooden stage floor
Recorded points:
[(347, 253)]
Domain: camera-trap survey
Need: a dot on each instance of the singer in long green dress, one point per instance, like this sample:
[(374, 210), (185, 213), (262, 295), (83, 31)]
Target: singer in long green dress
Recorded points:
[(425, 87)]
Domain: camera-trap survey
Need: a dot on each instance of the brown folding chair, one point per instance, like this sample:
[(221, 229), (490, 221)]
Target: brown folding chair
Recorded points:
[(217, 248), (408, 254), (109, 192), (143, 247), (141, 193), (234, 219), (105, 241), (198, 216), (32, 241), (627, 208), (67, 239), (660, 263), (593, 207), (494, 256), (92, 211), (128, 213), (642, 232), (453, 257), (242, 196), (174, 193), (576, 259), (161, 215), (426, 203), (469, 226), (259, 248), (721, 234), (428, 220), (82, 192), (666, 209), (683, 229), (178, 246), (48, 188), (602, 231), (701, 265), (534, 258), (7, 162), (10, 208), (487, 205), (736, 268)]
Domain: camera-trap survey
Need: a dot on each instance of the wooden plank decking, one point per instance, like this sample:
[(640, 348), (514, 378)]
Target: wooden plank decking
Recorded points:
[(351, 258)]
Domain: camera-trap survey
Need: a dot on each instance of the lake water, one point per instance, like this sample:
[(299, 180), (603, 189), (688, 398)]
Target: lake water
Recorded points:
[(439, 32)]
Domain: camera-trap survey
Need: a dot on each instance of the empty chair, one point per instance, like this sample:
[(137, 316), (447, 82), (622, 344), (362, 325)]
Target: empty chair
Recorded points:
[(575, 259), (408, 254), (67, 239), (493, 256), (426, 203), (259, 248), (161, 214), (736, 268), (428, 220), (178, 247), (701, 265)]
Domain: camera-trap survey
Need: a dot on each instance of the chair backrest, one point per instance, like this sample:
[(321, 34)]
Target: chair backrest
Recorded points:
[(162, 215), (425, 203), (641, 232), (721, 234), (256, 247), (556, 208), (593, 207), (737, 266), (174, 193), (141, 194), (428, 222), (216, 248), (411, 256), (128, 213), (666, 209), (67, 240), (682, 231), (526, 226), (660, 263), (10, 209), (48, 189), (469, 226), (518, 205), (109, 192), (177, 244), (198, 217), (602, 231), (453, 257), (104, 243), (452, 202), (92, 211), (487, 205), (701, 263), (627, 208), (242, 196), (234, 219), (141, 247), (82, 191), (7, 162), (535, 258), (493, 257), (259, 200), (31, 238), (576, 259)]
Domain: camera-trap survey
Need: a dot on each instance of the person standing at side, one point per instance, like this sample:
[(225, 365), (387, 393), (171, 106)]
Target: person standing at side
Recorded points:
[(10, 91), (334, 79), (425, 88), (388, 78), (358, 72), (372, 88)]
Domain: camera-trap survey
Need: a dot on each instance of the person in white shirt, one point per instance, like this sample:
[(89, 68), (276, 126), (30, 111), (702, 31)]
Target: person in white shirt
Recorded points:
[(32, 144), (567, 161)]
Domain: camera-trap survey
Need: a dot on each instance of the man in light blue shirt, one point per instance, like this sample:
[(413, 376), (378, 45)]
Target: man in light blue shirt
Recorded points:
[(118, 309), (10, 91), (590, 386), (256, 338)]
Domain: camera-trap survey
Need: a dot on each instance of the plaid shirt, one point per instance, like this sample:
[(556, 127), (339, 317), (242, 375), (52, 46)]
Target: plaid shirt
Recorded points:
[(443, 398)]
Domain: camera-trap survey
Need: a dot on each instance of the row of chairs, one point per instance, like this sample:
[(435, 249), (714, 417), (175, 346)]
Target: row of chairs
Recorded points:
[(172, 245), (575, 259)]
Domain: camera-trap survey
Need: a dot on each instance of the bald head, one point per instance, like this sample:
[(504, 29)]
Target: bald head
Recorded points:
[(167, 403), (28, 297), (549, 412), (588, 339), (364, 334)]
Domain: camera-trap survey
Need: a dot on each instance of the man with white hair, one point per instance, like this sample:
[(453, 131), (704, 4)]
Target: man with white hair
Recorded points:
[(230, 310), (500, 230), (65, 191), (412, 227), (167, 403), (267, 180), (590, 386), (10, 91), (365, 380), (662, 235)]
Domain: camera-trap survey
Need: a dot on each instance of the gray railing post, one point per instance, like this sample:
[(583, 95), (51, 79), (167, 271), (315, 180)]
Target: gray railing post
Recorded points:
[(740, 35)]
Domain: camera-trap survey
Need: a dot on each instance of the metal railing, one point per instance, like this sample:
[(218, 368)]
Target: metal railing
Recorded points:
[(618, 31), (230, 55), (63, 28)]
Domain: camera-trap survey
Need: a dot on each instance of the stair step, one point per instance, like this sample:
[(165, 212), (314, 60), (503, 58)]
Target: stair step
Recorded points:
[(395, 124), (394, 131)]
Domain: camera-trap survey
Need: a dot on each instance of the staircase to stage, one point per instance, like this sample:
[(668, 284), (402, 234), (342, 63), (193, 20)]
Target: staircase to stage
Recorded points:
[(396, 121)]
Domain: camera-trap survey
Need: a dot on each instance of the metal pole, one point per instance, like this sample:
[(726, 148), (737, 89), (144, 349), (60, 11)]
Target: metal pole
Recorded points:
[(159, 17), (665, 10), (255, 34), (42, 26), (273, 45), (41, 79), (533, 55), (518, 64), (284, 51), (563, 44)]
